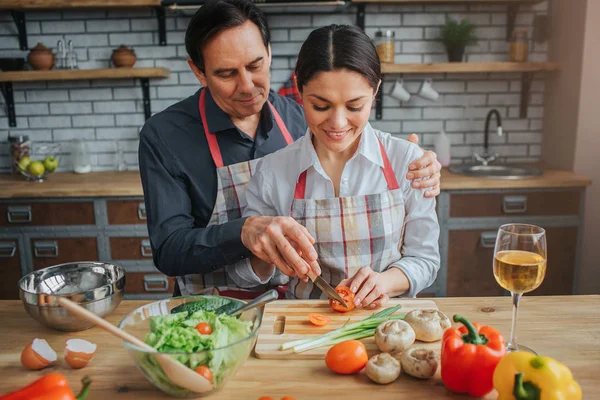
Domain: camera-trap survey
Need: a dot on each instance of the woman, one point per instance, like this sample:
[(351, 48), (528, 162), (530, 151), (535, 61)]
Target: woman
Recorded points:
[(344, 182)]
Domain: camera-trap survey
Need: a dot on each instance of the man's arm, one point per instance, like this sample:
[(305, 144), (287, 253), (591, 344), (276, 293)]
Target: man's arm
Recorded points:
[(178, 247)]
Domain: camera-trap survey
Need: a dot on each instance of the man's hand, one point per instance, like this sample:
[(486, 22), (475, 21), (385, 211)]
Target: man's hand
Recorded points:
[(427, 166), (275, 240)]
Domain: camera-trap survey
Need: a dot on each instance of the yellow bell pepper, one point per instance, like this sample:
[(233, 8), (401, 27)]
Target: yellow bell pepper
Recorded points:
[(524, 376)]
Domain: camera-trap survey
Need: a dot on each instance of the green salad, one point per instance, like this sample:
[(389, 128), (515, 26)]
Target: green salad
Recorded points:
[(178, 333)]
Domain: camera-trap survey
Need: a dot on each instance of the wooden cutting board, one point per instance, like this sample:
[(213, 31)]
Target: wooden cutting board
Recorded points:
[(287, 320)]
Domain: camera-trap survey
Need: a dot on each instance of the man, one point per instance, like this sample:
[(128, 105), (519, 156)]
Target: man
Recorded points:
[(197, 156)]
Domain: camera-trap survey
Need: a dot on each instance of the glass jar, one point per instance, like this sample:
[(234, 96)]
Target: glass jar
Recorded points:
[(81, 158), (384, 43), (19, 152), (519, 47)]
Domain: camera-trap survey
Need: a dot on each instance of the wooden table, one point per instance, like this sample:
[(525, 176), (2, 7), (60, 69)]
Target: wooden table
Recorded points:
[(566, 328)]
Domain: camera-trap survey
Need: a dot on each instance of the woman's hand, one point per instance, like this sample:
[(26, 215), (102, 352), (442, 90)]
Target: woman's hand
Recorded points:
[(369, 288), (428, 167)]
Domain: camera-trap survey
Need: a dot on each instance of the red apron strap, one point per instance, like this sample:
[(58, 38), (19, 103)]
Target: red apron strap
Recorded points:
[(213, 146), (281, 125), (300, 187), (388, 172)]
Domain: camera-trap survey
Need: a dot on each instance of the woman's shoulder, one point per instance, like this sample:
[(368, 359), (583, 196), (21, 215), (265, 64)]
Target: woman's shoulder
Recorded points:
[(285, 157)]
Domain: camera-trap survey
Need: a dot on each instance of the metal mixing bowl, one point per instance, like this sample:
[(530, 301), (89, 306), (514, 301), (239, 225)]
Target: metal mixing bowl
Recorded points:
[(96, 286)]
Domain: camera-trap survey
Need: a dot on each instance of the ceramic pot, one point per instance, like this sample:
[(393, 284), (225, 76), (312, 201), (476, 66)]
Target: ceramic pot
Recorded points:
[(123, 57), (41, 58), (456, 54)]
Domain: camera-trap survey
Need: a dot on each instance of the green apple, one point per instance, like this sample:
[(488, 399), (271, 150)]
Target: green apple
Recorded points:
[(51, 163), (24, 163), (36, 168)]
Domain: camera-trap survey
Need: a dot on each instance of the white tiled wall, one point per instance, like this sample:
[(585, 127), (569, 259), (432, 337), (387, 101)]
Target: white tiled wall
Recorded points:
[(108, 114)]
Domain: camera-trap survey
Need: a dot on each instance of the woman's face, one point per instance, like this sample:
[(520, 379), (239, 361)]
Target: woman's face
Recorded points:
[(337, 105)]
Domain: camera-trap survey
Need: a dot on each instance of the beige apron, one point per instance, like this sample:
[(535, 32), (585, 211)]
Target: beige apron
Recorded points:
[(229, 205), (350, 232)]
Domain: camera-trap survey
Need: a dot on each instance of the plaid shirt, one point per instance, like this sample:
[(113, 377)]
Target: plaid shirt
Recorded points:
[(290, 89)]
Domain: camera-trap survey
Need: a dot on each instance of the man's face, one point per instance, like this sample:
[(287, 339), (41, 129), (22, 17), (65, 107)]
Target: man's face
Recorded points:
[(236, 70)]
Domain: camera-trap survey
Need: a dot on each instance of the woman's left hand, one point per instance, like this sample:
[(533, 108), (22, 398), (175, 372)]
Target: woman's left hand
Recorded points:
[(428, 167), (368, 287)]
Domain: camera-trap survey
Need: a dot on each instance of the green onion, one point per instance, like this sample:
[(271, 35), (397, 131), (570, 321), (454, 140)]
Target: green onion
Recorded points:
[(357, 330)]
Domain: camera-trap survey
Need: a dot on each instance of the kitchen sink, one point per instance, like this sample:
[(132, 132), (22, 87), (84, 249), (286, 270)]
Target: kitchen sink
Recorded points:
[(497, 171)]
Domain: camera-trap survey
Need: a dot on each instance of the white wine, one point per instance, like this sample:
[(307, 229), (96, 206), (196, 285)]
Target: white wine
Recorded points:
[(519, 271)]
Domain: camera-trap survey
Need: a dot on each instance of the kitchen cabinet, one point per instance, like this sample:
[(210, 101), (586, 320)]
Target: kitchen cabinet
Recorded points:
[(127, 212), (10, 268), (130, 248), (52, 251), (470, 222), (47, 213), (149, 283)]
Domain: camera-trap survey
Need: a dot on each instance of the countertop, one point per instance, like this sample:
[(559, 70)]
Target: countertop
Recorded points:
[(128, 183), (566, 328)]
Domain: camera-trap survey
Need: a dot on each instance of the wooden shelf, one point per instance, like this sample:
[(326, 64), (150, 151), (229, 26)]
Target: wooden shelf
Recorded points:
[(467, 67), (143, 74), (55, 4), (526, 69), (83, 74)]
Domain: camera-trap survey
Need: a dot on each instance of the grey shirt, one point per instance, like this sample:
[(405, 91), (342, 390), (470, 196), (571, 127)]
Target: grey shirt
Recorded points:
[(180, 181)]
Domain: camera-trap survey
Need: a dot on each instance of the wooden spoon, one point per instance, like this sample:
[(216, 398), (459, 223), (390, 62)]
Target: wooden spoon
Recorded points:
[(178, 373)]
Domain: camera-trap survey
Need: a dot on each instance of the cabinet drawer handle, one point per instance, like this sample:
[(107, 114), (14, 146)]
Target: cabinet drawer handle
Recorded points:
[(146, 248), (156, 283), (45, 249), (142, 211), (514, 204), (488, 239), (19, 214), (8, 249)]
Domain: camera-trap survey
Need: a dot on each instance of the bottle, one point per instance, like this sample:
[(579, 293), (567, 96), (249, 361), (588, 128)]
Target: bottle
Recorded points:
[(442, 148), (384, 43), (81, 158)]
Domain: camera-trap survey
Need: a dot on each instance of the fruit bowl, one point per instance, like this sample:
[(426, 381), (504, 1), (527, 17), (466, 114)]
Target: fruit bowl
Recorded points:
[(43, 162)]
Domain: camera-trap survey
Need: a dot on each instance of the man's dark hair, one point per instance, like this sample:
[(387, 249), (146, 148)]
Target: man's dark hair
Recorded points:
[(335, 47), (217, 15)]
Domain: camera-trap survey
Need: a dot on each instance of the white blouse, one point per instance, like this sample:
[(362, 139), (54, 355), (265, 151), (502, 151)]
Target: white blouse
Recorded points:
[(270, 192)]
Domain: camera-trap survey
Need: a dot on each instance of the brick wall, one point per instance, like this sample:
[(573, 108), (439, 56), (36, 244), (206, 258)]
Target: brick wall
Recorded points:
[(108, 114)]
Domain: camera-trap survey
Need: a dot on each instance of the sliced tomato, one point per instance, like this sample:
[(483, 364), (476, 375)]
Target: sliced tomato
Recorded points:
[(348, 297), (203, 328), (318, 319), (205, 372), (288, 398)]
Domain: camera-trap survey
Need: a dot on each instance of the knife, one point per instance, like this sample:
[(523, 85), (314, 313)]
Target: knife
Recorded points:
[(327, 289)]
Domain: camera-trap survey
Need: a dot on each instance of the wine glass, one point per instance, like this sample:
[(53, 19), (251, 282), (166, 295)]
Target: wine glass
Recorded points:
[(519, 267)]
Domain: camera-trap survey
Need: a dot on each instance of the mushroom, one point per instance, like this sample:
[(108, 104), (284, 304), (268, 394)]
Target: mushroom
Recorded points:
[(419, 362), (383, 368), (429, 325), (394, 336)]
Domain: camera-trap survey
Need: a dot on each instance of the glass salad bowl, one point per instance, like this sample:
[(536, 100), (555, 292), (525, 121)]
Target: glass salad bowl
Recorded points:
[(196, 331), (45, 159)]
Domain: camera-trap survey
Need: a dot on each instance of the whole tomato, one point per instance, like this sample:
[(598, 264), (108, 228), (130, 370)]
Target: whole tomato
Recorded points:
[(348, 297), (347, 357)]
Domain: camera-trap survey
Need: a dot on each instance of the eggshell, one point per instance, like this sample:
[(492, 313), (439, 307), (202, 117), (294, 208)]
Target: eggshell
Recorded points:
[(37, 355), (79, 352)]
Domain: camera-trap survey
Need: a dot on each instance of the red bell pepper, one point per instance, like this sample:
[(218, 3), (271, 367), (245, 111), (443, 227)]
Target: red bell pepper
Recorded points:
[(469, 356), (52, 386)]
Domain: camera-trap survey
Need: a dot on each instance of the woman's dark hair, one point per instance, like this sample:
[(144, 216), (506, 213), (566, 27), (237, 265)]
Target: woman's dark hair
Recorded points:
[(335, 47), (217, 15)]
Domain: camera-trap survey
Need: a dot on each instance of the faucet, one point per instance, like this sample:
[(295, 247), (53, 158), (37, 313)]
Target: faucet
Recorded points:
[(486, 158)]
